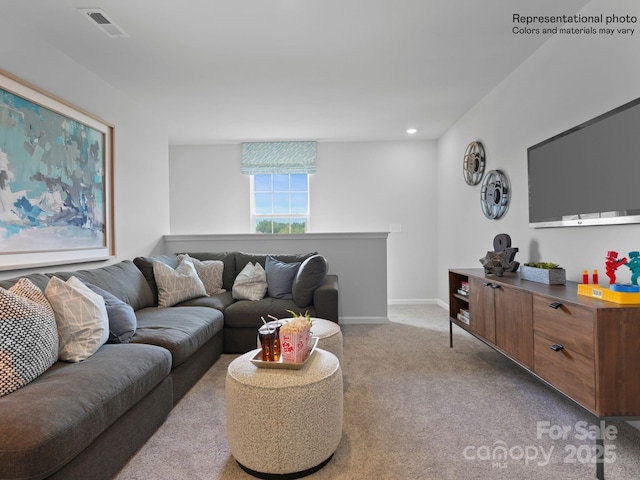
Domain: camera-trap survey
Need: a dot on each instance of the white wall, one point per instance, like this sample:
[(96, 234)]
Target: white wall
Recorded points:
[(358, 187), (141, 180), (569, 80)]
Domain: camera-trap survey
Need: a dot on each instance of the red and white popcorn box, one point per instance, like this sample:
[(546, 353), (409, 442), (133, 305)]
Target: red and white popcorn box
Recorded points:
[(294, 347)]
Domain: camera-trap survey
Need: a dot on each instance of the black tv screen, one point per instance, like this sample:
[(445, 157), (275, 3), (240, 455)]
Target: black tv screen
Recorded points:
[(588, 175)]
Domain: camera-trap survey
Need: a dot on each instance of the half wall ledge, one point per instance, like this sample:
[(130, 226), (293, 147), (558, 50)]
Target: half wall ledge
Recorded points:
[(358, 258)]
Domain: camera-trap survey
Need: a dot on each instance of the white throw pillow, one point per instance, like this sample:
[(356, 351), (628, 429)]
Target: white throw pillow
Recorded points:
[(251, 283), (209, 272), (81, 316), (28, 335), (175, 286)]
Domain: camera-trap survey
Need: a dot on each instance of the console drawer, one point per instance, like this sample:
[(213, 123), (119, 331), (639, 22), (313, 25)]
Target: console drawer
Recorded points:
[(569, 325), (566, 369)]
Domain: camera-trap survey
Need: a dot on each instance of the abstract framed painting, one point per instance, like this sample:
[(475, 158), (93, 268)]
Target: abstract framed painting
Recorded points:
[(56, 180)]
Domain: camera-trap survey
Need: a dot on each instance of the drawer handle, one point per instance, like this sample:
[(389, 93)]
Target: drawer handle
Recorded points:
[(495, 286), (555, 305), (556, 347), (488, 284)]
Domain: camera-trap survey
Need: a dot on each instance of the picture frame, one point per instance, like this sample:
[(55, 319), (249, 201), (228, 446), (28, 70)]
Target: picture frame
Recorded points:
[(56, 180)]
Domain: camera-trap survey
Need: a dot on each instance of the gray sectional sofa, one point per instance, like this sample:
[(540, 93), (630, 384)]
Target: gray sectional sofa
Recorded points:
[(85, 420)]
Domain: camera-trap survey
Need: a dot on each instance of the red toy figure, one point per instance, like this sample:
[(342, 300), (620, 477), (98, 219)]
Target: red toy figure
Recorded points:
[(612, 263)]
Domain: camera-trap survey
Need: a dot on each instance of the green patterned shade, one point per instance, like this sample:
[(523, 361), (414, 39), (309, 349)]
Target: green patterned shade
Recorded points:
[(278, 157)]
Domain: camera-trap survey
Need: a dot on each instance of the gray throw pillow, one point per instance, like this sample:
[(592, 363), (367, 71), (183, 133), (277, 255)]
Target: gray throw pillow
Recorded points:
[(122, 318), (280, 276), (309, 277)]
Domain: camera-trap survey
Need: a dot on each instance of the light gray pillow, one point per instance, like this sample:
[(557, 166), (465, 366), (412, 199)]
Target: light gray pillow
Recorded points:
[(81, 316), (175, 286), (280, 277), (209, 271), (250, 284), (309, 277)]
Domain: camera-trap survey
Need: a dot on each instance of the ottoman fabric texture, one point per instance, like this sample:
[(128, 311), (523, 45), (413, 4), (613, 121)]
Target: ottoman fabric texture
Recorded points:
[(284, 421), (329, 336)]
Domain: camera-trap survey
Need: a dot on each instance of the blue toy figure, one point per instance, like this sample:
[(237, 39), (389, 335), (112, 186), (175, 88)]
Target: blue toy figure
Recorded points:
[(634, 266)]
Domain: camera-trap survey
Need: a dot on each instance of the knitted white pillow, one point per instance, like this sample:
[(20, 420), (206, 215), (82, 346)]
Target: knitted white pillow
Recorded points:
[(28, 335), (175, 286), (251, 283), (81, 316), (209, 272)]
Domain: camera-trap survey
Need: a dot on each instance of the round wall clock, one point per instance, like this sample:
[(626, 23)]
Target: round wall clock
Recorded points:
[(473, 164), (494, 194)]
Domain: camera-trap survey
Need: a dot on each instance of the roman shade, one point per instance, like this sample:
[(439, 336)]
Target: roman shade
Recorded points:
[(278, 157)]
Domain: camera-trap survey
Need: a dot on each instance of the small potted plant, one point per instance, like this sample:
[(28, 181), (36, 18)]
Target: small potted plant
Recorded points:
[(544, 272)]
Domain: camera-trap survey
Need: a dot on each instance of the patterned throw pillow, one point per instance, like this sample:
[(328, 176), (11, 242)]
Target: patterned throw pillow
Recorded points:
[(81, 316), (251, 283), (209, 272), (28, 335), (175, 286)]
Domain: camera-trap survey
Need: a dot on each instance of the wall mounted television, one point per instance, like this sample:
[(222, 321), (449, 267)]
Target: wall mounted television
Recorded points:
[(588, 175)]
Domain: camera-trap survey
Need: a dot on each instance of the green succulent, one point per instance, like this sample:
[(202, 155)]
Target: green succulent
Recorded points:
[(545, 265)]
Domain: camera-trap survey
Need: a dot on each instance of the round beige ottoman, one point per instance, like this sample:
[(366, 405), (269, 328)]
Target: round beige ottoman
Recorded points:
[(284, 423), (329, 336)]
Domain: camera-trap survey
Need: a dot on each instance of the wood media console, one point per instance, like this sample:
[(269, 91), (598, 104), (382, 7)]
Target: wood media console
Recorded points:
[(585, 348)]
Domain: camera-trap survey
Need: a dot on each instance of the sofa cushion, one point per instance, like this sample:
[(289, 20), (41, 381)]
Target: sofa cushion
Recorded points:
[(181, 330), (251, 283), (81, 316), (209, 272), (177, 285), (123, 279), (28, 335), (246, 314), (54, 418), (145, 265), (242, 258), (40, 280), (280, 277), (122, 318), (220, 301), (308, 278)]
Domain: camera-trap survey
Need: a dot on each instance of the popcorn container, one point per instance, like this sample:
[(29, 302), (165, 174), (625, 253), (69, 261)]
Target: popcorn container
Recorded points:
[(294, 347)]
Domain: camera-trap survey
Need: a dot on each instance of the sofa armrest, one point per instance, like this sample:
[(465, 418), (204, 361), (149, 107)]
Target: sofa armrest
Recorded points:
[(325, 299)]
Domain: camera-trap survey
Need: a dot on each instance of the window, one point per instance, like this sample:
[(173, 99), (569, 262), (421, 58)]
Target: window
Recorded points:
[(280, 203)]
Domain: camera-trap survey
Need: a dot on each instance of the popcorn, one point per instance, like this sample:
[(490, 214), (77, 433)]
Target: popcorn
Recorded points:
[(295, 340)]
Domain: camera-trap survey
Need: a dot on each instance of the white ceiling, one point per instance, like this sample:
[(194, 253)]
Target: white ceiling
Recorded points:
[(237, 70)]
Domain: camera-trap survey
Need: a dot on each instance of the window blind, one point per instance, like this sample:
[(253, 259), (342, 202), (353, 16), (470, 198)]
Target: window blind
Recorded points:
[(278, 157)]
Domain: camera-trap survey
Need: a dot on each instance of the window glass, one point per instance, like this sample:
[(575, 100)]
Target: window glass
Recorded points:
[(280, 203)]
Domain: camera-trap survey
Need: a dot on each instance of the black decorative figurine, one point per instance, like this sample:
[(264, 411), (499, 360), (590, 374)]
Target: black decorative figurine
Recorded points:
[(502, 258)]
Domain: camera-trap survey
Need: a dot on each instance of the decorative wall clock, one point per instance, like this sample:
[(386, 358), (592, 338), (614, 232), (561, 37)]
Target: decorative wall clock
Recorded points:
[(473, 164), (494, 194)]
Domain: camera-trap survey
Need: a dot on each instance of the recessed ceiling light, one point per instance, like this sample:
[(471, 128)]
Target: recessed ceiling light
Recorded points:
[(411, 131)]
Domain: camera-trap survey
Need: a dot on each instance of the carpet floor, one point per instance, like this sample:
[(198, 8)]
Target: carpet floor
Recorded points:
[(413, 409)]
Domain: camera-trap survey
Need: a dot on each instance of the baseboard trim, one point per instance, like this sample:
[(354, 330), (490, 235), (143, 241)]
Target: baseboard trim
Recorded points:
[(360, 320), (413, 301)]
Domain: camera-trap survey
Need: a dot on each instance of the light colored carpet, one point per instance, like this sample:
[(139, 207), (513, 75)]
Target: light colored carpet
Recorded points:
[(414, 409)]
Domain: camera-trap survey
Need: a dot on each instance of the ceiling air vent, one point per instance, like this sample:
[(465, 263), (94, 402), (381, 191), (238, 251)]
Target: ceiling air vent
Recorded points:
[(100, 19)]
